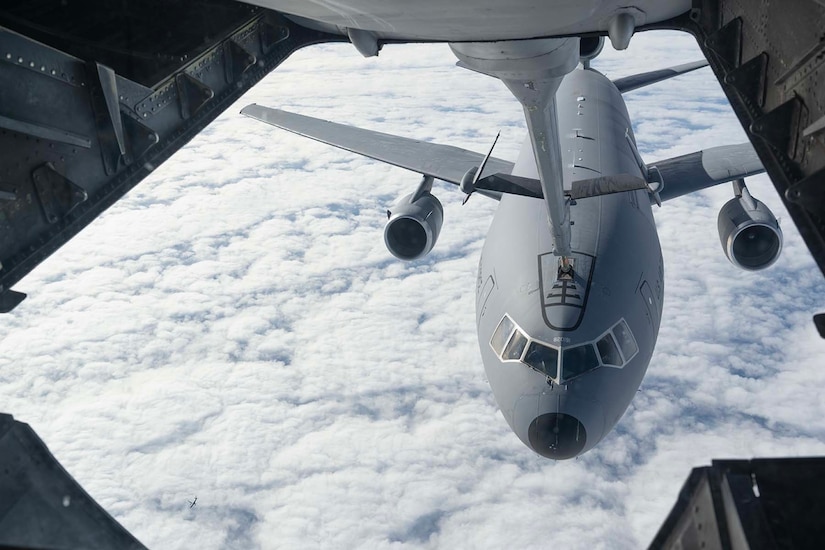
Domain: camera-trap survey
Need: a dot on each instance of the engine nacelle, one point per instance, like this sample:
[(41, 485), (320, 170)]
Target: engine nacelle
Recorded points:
[(749, 232), (590, 47), (413, 226)]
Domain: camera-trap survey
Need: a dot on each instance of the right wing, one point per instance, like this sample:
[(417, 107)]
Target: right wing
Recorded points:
[(703, 169), (677, 176), (442, 162), (636, 81)]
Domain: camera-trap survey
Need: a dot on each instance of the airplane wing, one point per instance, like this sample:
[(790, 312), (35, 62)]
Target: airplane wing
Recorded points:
[(636, 81), (679, 175), (706, 168), (442, 162)]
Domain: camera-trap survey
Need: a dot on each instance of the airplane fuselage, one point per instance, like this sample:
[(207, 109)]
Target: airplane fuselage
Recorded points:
[(565, 353), (471, 20)]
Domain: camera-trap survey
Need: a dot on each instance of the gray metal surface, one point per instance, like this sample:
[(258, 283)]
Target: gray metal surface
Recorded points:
[(637, 81), (443, 162), (42, 506), (702, 169), (472, 20), (615, 250)]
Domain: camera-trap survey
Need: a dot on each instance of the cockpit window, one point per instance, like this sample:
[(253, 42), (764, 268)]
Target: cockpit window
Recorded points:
[(608, 352), (626, 340), (578, 360), (515, 346), (542, 358), (502, 334)]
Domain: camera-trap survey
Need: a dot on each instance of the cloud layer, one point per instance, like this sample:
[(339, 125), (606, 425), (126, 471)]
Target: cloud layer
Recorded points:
[(235, 329)]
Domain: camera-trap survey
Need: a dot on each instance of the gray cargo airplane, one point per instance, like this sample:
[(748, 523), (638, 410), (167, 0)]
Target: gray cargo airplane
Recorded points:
[(570, 282)]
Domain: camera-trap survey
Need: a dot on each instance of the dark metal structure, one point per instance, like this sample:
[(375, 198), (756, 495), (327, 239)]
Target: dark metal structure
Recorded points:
[(42, 506), (760, 504), (96, 94)]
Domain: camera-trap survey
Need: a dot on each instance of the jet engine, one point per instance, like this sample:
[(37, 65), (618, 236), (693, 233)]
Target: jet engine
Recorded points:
[(414, 224), (589, 48), (749, 232)]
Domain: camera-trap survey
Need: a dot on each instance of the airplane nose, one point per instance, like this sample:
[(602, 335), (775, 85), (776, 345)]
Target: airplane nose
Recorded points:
[(557, 435)]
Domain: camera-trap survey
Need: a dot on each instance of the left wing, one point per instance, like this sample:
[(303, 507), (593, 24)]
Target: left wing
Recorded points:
[(442, 162)]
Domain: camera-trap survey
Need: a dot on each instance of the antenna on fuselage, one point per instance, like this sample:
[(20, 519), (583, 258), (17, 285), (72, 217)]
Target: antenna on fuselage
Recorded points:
[(470, 179)]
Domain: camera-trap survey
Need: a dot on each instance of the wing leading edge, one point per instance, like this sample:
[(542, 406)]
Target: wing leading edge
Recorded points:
[(442, 162)]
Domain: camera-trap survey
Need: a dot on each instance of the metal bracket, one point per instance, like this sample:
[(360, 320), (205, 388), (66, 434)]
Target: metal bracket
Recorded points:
[(193, 94), (726, 43), (424, 188), (106, 107), (809, 193), (58, 195), (272, 34), (779, 126), (139, 138), (46, 132), (749, 81), (237, 60), (9, 300)]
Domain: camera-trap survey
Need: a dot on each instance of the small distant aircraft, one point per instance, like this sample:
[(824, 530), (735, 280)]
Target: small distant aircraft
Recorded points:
[(571, 279), (192, 503)]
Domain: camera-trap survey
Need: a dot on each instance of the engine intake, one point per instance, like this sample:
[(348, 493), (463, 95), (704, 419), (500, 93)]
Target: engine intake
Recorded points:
[(413, 226), (749, 232), (590, 47)]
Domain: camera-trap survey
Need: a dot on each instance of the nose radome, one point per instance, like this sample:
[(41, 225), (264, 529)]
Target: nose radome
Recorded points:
[(557, 435)]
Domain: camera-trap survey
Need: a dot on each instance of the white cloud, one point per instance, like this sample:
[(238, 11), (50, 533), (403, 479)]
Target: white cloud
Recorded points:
[(234, 329)]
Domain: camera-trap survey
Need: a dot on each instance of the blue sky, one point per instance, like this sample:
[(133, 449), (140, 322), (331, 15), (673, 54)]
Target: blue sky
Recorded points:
[(235, 329)]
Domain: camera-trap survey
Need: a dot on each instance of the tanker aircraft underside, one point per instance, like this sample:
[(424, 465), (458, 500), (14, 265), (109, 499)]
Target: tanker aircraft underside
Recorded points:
[(570, 282)]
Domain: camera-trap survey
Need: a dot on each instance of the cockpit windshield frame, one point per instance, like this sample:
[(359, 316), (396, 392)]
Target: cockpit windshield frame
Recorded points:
[(516, 337), (614, 349)]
